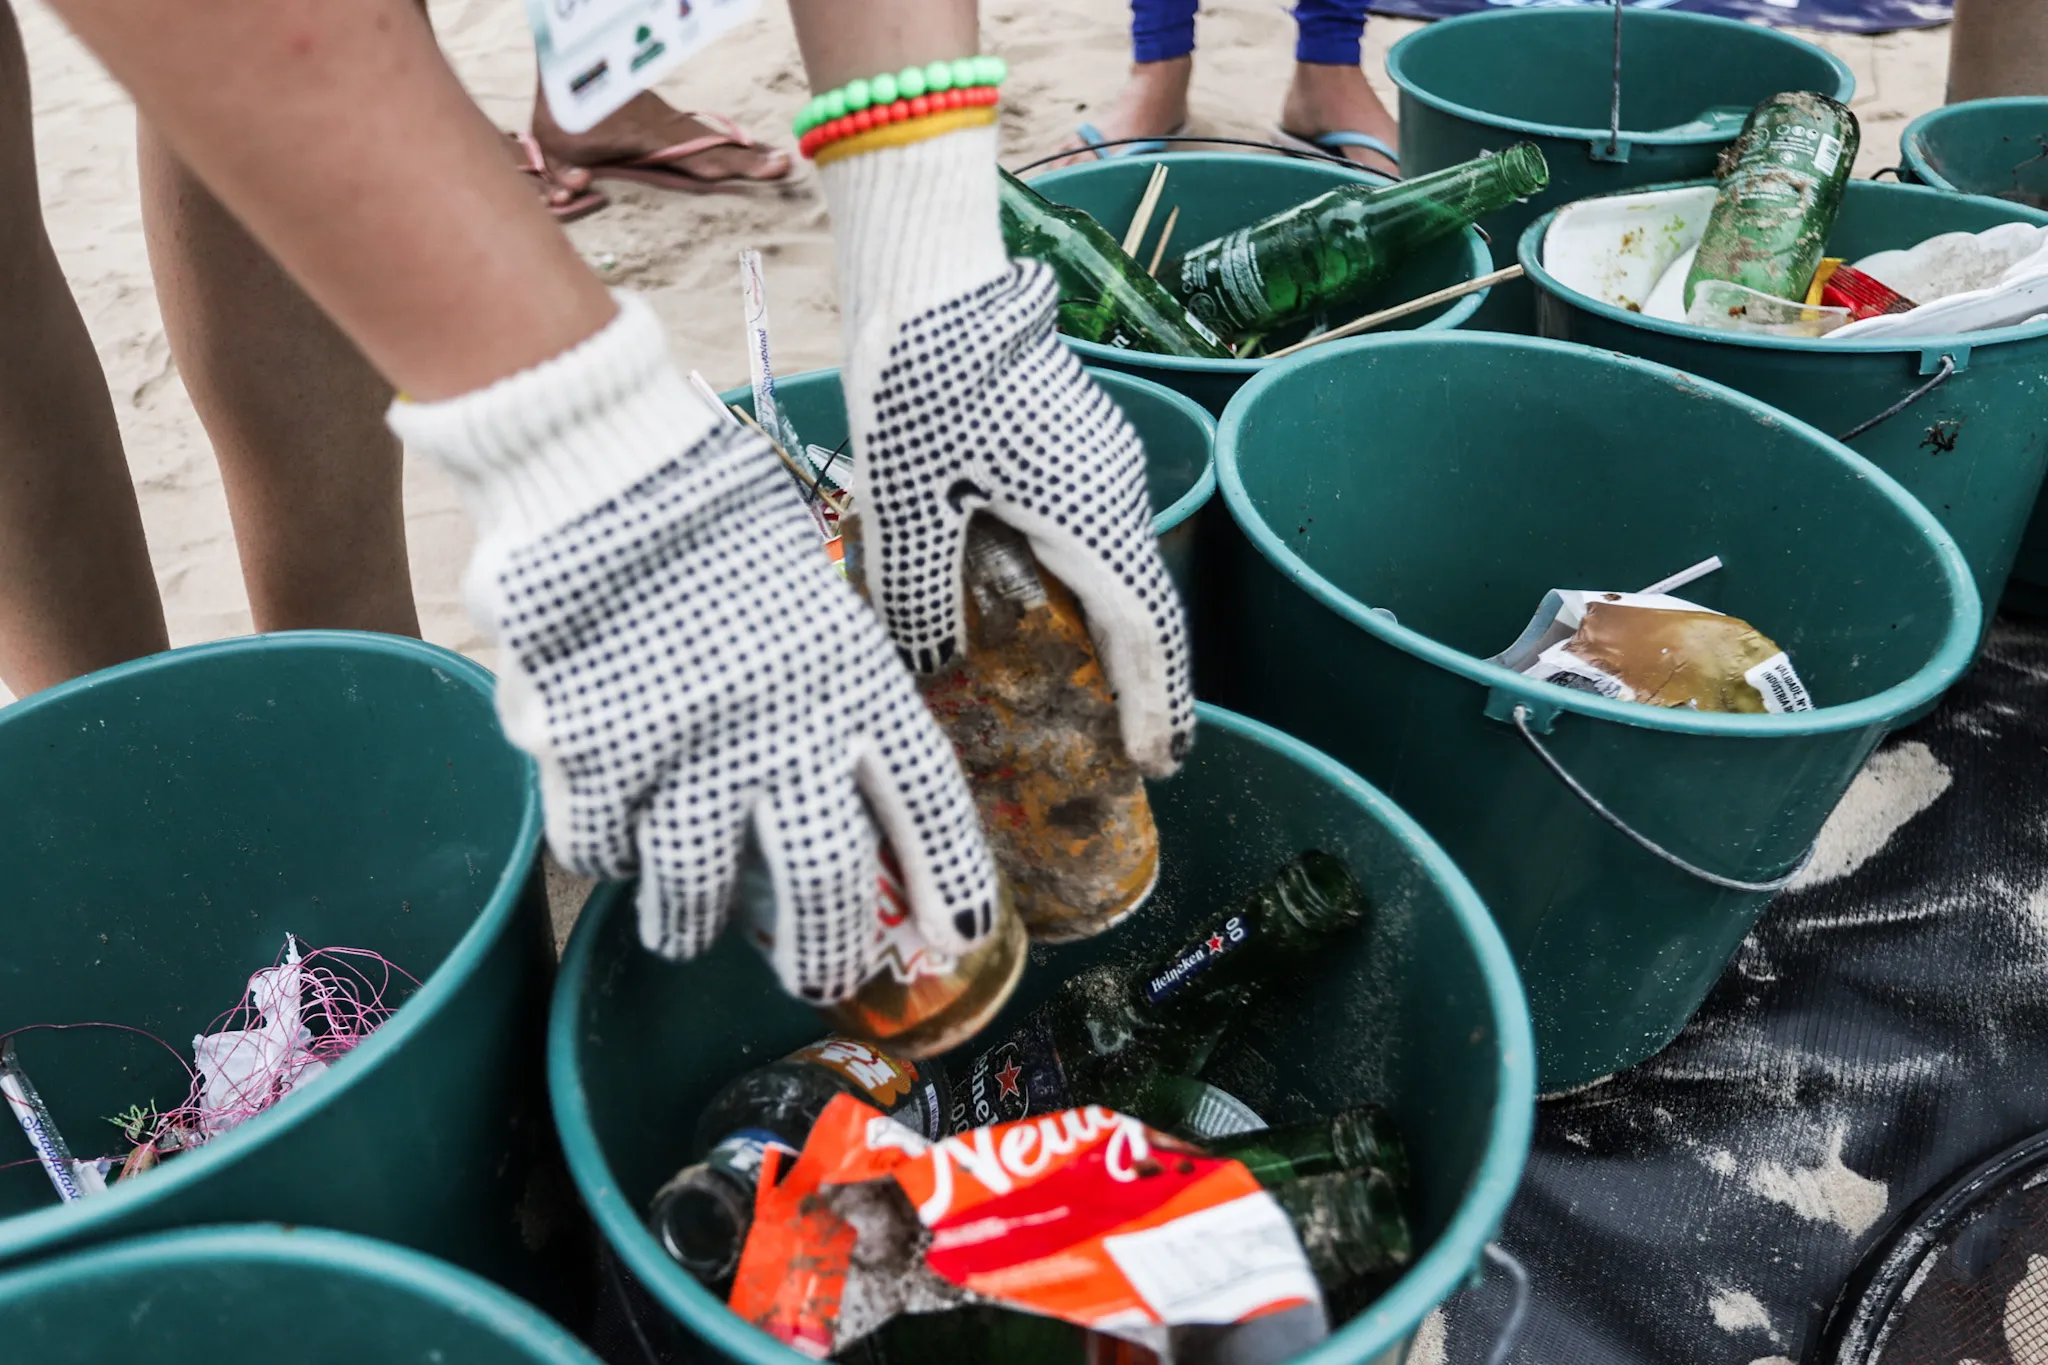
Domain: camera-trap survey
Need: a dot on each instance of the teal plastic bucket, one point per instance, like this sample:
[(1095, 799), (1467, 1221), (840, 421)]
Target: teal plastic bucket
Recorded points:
[(1219, 192), (1992, 147), (1973, 448), (1423, 1015), (1997, 148), (169, 822), (1179, 437), (1546, 75), (267, 1294), (1452, 480)]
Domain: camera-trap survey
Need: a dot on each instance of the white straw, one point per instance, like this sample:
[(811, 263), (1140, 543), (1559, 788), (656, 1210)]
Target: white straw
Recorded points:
[(1684, 576)]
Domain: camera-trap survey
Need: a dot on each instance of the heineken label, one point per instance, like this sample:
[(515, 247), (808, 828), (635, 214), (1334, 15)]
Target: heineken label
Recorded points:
[(1197, 958), (1223, 286), (892, 1085), (740, 1154), (1015, 1079)]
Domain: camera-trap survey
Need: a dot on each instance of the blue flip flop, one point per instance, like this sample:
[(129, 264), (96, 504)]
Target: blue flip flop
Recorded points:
[(1336, 142), (1093, 138)]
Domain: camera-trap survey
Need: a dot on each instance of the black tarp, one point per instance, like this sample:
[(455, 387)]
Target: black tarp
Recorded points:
[(1885, 1025)]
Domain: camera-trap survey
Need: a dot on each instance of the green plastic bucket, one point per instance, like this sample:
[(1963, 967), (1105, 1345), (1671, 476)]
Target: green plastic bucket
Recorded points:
[(169, 822), (1993, 147), (1997, 148), (1179, 437), (1423, 1015), (1371, 476), (1973, 448), (1219, 192), (1546, 75), (265, 1294)]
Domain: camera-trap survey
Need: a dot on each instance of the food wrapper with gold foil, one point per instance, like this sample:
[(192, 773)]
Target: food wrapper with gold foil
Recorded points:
[(1657, 650)]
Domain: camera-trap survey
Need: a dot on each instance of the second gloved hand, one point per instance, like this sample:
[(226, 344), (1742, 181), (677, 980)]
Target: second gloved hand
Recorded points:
[(690, 671)]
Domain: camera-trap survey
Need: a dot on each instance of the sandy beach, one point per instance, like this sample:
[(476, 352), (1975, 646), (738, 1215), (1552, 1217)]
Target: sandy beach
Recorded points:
[(1067, 57)]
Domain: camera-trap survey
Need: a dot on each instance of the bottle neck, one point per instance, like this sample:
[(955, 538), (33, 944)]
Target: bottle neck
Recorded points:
[(1413, 212)]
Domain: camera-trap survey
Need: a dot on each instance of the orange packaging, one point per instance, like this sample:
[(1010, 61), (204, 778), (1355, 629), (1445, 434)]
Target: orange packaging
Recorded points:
[(1085, 1215)]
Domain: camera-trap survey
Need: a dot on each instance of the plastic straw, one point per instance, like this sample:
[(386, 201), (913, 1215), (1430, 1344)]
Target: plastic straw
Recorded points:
[(1684, 576)]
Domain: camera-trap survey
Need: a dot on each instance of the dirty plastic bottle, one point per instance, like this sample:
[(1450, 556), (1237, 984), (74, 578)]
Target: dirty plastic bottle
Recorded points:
[(1031, 716), (1330, 251), (1781, 187), (702, 1215), (1105, 296)]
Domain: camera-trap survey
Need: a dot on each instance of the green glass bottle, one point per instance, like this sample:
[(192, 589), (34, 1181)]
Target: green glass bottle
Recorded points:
[(1781, 187), (1330, 251), (1350, 1140), (1127, 1038), (1105, 296), (1350, 1226)]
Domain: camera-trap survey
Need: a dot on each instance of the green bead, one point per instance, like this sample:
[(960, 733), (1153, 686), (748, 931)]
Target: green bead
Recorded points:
[(837, 102), (910, 82), (813, 114), (993, 69), (938, 76), (964, 72), (883, 88)]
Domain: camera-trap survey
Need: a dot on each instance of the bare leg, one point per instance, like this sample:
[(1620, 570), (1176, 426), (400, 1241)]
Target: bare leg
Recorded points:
[(1329, 99), (295, 413), (1153, 103), (76, 592), (440, 263), (843, 42)]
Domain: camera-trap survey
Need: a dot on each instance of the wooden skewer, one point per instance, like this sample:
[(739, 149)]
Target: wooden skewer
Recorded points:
[(810, 480), (1402, 310), (1165, 235), (1134, 236)]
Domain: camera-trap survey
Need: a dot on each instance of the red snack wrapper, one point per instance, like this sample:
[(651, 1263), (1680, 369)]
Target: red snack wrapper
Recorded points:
[(1085, 1215), (1863, 295)]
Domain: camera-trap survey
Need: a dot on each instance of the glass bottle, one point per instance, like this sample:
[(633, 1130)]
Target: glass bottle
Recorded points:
[(918, 1002), (1030, 714), (1105, 296), (702, 1215), (1330, 251), (1126, 1037), (1781, 186), (1359, 1139), (1351, 1226)]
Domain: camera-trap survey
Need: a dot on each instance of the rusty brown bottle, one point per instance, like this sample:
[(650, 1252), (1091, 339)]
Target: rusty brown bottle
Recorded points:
[(1031, 715)]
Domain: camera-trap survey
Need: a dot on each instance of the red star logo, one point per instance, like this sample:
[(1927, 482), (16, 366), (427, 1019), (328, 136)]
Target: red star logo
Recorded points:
[(1007, 1079), (1215, 943)]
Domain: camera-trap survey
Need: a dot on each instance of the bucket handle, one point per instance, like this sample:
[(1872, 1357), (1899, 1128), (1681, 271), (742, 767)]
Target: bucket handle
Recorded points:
[(1510, 1332), (1521, 715), (1893, 171), (1942, 375)]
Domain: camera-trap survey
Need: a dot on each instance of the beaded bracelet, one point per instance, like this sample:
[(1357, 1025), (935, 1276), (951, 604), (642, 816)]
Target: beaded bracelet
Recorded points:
[(915, 92)]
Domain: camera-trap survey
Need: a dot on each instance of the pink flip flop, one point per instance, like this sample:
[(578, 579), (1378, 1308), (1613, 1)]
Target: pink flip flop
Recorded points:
[(663, 169), (581, 204)]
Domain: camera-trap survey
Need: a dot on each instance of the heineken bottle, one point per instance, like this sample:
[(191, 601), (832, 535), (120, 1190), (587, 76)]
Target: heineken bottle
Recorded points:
[(702, 1215), (1105, 296), (1781, 187), (1034, 723), (1351, 1140), (1126, 1038), (1350, 1226), (1330, 251)]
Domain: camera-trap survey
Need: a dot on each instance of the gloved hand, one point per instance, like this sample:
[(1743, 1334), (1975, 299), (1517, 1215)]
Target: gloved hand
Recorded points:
[(961, 397), (686, 665)]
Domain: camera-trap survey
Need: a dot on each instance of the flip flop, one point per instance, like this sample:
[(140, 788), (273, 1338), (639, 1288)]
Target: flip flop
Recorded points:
[(581, 204), (1092, 140), (1337, 142), (664, 171)]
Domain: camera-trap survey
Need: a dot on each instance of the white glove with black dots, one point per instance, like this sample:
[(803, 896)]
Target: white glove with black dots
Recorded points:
[(688, 668)]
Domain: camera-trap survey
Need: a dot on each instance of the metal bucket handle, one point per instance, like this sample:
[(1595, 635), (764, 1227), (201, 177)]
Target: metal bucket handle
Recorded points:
[(1521, 717), (1942, 375)]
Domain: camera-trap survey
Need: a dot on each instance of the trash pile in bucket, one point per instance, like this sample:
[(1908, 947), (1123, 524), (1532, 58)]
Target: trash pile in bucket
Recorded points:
[(1749, 255), (1074, 1167), (1298, 270), (295, 1018)]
